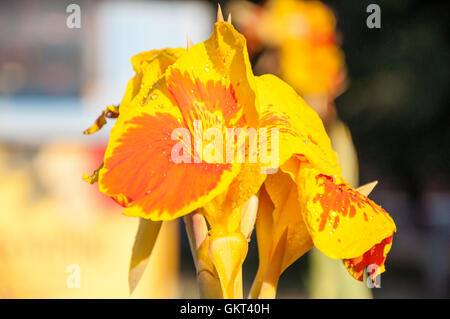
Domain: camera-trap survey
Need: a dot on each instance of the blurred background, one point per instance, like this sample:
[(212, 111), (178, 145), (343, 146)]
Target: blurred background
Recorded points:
[(55, 81)]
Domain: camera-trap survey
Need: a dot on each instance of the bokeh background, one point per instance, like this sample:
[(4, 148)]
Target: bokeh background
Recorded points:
[(54, 81)]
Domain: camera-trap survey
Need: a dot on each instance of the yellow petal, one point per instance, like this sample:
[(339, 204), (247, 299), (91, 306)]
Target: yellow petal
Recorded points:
[(342, 222), (224, 213), (269, 284), (249, 211), (143, 246), (155, 188), (287, 218), (301, 131), (144, 94), (282, 234), (150, 67), (223, 58), (264, 227)]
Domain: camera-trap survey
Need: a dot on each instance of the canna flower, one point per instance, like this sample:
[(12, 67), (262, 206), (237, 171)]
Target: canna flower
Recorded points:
[(156, 167)]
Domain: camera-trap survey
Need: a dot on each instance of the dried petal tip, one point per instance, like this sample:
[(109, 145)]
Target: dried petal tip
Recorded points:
[(111, 112), (367, 188), (219, 13), (229, 18), (190, 44)]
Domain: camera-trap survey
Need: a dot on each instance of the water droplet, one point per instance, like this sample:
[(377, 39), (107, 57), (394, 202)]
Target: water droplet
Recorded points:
[(154, 96)]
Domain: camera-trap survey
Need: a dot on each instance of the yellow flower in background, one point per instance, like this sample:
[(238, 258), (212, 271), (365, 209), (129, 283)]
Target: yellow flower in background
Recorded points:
[(211, 86), (304, 33)]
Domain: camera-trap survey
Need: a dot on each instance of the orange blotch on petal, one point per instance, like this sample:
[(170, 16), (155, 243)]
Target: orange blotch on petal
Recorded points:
[(343, 223), (140, 172), (374, 258), (212, 102), (340, 198)]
